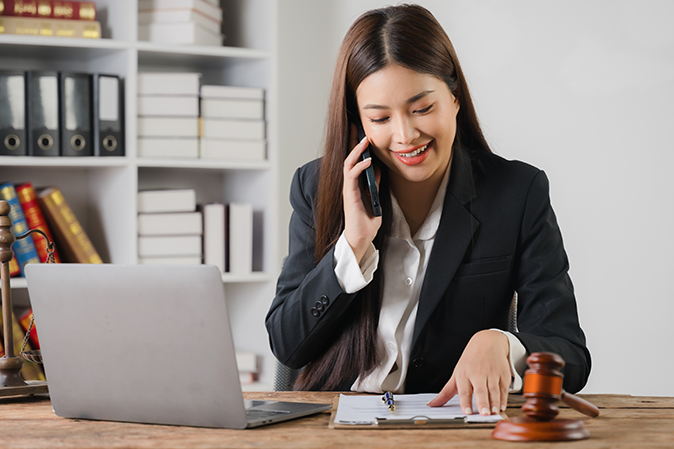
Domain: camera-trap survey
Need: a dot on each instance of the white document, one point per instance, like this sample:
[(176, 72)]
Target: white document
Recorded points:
[(360, 410)]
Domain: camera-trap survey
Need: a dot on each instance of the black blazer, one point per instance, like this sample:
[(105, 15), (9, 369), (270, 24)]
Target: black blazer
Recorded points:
[(498, 234)]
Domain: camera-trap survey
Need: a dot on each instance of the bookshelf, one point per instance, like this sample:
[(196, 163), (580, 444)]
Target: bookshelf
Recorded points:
[(102, 191)]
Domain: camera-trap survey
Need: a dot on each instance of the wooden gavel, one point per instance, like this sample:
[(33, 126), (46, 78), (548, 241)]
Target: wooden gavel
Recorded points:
[(543, 388)]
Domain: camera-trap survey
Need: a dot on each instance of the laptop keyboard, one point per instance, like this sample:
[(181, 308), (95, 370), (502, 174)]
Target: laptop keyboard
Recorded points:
[(260, 414)]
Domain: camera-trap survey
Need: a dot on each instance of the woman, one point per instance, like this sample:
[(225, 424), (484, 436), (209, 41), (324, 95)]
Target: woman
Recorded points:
[(418, 300)]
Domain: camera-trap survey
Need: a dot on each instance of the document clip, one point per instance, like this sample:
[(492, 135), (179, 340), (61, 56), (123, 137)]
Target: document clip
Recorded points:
[(420, 421)]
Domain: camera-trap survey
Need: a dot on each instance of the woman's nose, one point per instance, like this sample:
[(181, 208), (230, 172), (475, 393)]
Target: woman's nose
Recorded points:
[(404, 131)]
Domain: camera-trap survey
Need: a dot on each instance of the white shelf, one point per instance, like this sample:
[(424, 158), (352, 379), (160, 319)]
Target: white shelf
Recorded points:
[(207, 164), (27, 161)]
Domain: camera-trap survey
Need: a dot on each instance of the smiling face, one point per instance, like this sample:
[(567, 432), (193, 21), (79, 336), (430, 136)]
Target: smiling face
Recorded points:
[(410, 118)]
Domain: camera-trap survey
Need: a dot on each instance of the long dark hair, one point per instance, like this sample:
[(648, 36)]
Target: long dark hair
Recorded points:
[(407, 35)]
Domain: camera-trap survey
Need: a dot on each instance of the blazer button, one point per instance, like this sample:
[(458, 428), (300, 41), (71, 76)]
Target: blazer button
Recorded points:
[(325, 300), (315, 312), (318, 306), (418, 363)]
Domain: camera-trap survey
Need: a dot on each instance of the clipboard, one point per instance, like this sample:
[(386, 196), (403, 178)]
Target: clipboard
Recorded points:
[(418, 422)]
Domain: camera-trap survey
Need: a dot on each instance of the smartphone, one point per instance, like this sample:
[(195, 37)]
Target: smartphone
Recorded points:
[(369, 175)]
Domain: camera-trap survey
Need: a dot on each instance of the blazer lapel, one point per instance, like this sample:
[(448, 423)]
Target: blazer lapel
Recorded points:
[(455, 232)]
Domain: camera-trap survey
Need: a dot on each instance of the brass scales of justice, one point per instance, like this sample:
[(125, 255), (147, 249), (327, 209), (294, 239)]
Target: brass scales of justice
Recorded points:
[(11, 382)]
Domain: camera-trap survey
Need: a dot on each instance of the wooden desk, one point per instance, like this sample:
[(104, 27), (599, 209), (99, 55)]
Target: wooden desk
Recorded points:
[(625, 422)]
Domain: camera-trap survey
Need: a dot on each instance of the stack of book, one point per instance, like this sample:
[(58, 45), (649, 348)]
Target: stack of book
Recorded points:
[(232, 123), (196, 22), (169, 227), (45, 209), (48, 113), (59, 18), (168, 115), (228, 236)]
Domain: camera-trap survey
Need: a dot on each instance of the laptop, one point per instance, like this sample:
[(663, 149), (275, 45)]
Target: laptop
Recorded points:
[(143, 343)]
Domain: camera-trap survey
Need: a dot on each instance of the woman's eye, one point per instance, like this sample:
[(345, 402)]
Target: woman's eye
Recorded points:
[(424, 110), (378, 120)]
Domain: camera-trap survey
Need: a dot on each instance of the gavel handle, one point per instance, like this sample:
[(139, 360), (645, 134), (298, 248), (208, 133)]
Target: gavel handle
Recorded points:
[(579, 404)]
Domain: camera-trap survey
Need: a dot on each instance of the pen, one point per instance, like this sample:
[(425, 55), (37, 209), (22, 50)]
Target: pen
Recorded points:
[(388, 400)]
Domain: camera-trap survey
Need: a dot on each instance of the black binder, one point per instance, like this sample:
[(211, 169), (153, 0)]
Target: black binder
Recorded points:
[(108, 115), (43, 113), (13, 113), (76, 114)]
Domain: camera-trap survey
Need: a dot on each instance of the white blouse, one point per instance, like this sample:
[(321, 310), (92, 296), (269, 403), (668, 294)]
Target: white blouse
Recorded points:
[(404, 270)]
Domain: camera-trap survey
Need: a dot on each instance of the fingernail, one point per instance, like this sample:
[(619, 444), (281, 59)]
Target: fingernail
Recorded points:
[(363, 139), (485, 411), (468, 411), (494, 410), (503, 408)]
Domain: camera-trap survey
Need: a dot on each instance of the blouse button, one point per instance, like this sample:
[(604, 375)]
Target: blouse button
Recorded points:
[(408, 281)]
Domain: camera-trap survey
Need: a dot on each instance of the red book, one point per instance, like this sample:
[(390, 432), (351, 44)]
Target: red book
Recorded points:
[(49, 9), (35, 219), (25, 324)]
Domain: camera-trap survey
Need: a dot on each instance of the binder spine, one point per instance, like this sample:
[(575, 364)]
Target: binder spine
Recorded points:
[(107, 100), (75, 118), (13, 118), (42, 95)]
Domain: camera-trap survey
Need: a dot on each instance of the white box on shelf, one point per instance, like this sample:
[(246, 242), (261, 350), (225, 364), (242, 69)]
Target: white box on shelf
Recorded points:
[(164, 83), (248, 93), (240, 237), (246, 361), (190, 260), (232, 109), (181, 223), (168, 127), (168, 105), (179, 16), (174, 245), (232, 129), (175, 147), (210, 8), (254, 150), (179, 33), (169, 200), (215, 219)]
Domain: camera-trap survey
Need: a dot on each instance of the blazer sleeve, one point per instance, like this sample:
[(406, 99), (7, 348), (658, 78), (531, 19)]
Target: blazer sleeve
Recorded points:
[(309, 302), (547, 317)]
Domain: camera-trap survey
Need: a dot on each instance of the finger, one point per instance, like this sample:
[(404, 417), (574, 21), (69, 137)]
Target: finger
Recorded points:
[(355, 153), (447, 393), (466, 396), (481, 393), (504, 393), (495, 390), (357, 169)]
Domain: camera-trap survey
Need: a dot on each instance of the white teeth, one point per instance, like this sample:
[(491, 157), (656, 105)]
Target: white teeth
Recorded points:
[(415, 152)]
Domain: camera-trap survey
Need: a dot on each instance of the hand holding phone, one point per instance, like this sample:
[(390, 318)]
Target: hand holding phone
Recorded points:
[(369, 175)]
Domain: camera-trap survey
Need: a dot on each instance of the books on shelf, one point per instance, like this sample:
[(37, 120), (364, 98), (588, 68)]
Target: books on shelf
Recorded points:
[(30, 26), (169, 227), (195, 22), (230, 149), (35, 220), (168, 200), (53, 113), (24, 250), (240, 237), (182, 223), (49, 9), (71, 239), (168, 111), (215, 239)]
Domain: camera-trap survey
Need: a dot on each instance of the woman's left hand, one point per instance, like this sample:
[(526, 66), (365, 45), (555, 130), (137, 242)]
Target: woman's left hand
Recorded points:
[(483, 370)]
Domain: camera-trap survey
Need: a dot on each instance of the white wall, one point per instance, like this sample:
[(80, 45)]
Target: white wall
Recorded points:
[(583, 90)]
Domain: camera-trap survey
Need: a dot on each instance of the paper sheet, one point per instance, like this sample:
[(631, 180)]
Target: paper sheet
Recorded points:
[(359, 410)]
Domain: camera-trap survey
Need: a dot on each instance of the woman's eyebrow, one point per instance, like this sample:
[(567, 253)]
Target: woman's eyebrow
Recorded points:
[(409, 100)]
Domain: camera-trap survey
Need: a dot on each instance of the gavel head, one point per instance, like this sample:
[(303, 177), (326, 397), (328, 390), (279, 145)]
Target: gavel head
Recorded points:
[(543, 385)]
